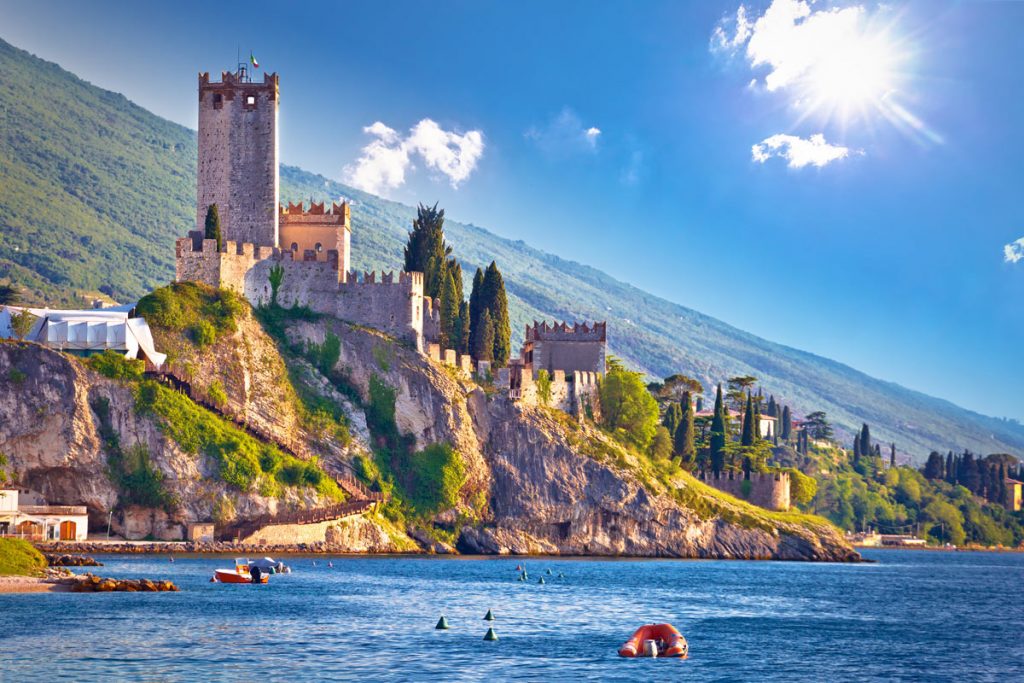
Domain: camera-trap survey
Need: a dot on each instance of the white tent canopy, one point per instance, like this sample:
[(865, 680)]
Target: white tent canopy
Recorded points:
[(89, 330)]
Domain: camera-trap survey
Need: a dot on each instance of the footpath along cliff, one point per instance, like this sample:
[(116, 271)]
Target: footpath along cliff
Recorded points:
[(464, 468)]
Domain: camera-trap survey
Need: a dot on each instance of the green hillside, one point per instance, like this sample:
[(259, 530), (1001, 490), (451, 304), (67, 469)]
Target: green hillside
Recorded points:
[(94, 190)]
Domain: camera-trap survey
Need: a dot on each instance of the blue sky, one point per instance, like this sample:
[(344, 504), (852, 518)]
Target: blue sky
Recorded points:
[(671, 144)]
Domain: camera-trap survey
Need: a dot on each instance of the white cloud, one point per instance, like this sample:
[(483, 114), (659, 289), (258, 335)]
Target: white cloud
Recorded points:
[(565, 134), (1014, 251), (797, 151), (384, 162), (792, 40)]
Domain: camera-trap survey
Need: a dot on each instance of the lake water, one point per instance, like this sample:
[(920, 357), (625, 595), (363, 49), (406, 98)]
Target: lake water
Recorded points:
[(928, 616)]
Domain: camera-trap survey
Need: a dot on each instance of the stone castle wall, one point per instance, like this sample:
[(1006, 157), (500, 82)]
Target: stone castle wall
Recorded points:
[(574, 393), (769, 490), (394, 304), (570, 348), (238, 157)]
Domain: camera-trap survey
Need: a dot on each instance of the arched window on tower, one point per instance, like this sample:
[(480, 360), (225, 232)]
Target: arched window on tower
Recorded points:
[(295, 246), (319, 247)]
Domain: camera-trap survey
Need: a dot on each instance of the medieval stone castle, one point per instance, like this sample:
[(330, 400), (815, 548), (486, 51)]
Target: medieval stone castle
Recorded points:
[(238, 173)]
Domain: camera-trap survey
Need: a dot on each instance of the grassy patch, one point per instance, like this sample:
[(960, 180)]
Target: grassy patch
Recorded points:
[(244, 462), (20, 558)]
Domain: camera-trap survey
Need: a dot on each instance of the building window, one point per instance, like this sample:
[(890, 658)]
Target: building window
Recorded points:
[(319, 247), (249, 103), (295, 246), (218, 100)]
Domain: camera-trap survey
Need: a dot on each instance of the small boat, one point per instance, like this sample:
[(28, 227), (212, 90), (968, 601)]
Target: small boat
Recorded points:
[(241, 573), (656, 640)]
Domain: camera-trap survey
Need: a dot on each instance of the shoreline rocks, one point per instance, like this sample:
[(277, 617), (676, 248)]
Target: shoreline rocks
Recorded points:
[(55, 560), (91, 583)]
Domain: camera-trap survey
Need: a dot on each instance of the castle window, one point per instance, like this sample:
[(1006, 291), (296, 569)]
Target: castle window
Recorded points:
[(295, 246), (319, 247), (218, 100), (250, 102)]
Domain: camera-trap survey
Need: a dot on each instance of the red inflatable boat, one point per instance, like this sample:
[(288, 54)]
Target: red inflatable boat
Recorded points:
[(656, 640)]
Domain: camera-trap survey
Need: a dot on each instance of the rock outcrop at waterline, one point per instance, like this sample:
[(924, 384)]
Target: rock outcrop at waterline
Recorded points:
[(536, 482)]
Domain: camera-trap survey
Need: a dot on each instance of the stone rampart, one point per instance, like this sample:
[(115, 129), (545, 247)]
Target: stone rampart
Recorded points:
[(565, 347), (767, 489)]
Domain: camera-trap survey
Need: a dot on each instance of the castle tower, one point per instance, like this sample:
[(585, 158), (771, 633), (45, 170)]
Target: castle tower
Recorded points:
[(320, 230), (238, 167)]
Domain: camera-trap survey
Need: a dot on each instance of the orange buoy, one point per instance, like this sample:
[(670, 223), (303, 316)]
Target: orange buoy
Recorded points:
[(666, 641)]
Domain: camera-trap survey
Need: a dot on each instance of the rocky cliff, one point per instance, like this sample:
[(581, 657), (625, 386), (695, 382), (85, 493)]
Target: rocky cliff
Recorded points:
[(534, 481)]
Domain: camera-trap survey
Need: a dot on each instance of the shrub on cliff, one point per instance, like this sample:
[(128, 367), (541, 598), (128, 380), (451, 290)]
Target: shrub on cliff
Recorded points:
[(115, 366), (200, 309)]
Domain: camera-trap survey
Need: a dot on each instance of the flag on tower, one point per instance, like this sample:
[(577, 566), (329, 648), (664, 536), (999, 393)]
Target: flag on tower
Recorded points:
[(252, 59)]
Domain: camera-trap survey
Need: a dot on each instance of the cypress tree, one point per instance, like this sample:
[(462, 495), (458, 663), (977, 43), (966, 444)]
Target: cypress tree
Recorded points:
[(892, 454), (747, 437), (856, 448), (673, 416), (949, 467), (718, 434), (450, 328), (933, 466), (683, 442), (484, 340), (212, 225), (787, 424), (772, 408), (865, 440), (475, 295), (495, 301), (463, 328), (426, 251)]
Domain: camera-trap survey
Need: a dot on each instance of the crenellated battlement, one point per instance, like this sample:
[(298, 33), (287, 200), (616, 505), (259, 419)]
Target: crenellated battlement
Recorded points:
[(541, 331), (318, 213), (767, 489), (230, 81)]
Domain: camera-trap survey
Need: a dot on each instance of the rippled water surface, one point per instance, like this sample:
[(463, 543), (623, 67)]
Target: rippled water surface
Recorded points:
[(911, 616)]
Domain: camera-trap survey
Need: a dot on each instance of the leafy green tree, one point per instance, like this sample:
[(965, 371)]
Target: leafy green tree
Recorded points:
[(450, 328), (426, 250), (947, 522), (276, 277), (683, 445), (22, 322), (484, 339), (739, 387), (674, 386), (661, 444), (628, 409), (8, 295), (802, 488), (212, 226), (718, 434), (817, 426), (494, 299)]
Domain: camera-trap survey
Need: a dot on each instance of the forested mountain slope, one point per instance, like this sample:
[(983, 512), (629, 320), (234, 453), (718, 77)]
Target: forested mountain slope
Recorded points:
[(94, 190)]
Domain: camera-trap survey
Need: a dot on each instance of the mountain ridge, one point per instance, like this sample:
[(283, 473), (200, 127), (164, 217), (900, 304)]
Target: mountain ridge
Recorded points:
[(106, 181)]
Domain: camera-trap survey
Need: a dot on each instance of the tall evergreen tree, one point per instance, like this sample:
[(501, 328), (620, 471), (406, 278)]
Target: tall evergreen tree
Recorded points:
[(856, 448), (747, 437), (464, 328), (684, 435), (933, 466), (787, 424), (718, 434), (772, 408), (212, 226), (484, 340), (865, 440), (475, 306), (673, 416), (450, 328), (949, 467), (494, 299), (426, 251), (892, 454)]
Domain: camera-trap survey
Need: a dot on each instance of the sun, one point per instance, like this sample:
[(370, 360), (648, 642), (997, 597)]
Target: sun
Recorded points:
[(855, 76)]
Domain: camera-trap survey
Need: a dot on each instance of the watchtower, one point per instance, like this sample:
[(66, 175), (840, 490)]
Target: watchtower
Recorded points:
[(238, 165)]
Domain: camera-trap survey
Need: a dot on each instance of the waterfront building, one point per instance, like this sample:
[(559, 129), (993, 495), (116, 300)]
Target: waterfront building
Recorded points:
[(26, 515)]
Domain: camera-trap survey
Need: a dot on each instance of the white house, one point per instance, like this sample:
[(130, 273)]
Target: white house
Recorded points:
[(38, 522), (88, 331)]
